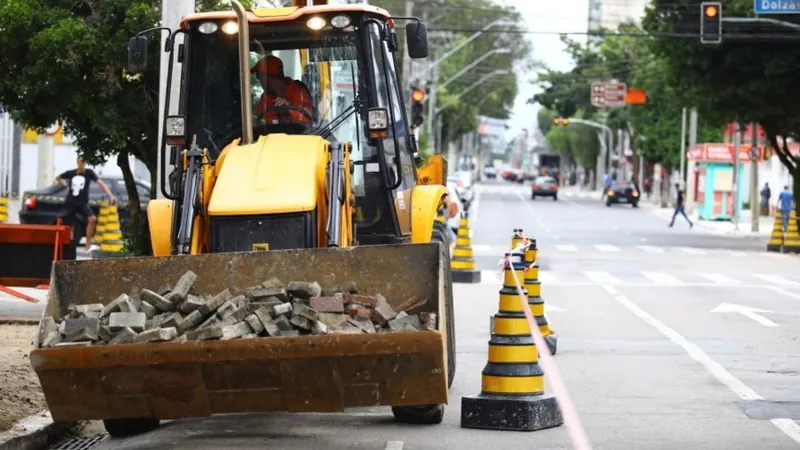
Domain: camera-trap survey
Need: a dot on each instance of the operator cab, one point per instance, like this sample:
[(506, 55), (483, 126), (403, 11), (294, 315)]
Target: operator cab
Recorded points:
[(344, 58)]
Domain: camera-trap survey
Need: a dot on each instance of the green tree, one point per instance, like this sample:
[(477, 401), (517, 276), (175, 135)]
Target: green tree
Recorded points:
[(66, 60), (743, 79)]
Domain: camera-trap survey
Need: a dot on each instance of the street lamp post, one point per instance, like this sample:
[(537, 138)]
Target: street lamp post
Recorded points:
[(604, 148), (503, 51)]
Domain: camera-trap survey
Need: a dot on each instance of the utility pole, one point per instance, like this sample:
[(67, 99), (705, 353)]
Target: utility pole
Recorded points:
[(755, 210), (737, 144), (172, 11), (683, 146)]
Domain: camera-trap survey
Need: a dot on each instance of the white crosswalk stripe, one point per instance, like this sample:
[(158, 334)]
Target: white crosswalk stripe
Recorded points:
[(547, 277), (566, 248), (601, 277), (721, 279), (776, 279), (692, 251), (607, 248), (661, 278), (737, 254), (650, 248)]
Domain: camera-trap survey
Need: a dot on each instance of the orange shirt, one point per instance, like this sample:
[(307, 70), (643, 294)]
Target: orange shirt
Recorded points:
[(296, 94)]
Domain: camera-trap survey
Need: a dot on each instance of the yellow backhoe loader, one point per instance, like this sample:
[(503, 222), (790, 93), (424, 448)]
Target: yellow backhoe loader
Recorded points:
[(310, 177)]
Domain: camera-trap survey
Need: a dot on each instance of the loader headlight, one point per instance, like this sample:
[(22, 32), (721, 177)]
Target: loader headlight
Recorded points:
[(208, 27), (340, 21), (230, 28), (316, 23), (378, 122), (176, 130)]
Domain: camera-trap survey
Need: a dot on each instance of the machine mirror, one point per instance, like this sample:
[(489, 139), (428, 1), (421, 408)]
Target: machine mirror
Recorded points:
[(137, 55), (417, 40)]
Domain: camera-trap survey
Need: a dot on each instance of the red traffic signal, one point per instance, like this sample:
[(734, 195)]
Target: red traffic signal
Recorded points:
[(418, 95), (711, 22), (711, 11)]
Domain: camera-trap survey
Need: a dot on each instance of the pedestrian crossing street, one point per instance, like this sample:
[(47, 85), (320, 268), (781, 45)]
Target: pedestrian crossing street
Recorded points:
[(652, 278), (554, 249)]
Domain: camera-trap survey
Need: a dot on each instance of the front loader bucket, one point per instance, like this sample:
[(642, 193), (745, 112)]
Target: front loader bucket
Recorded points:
[(314, 373)]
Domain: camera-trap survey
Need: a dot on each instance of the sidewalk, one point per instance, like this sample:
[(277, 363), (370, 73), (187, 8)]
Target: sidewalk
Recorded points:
[(720, 228)]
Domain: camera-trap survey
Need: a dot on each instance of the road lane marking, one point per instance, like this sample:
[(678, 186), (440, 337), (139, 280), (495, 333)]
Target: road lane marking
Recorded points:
[(737, 254), (747, 311), (775, 279), (721, 279), (566, 248), (547, 277), (606, 248), (692, 251), (650, 248), (661, 278), (394, 445), (601, 277), (788, 426)]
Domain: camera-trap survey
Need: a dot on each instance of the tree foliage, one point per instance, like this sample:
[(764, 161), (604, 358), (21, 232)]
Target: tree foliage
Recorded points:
[(449, 23), (743, 80)]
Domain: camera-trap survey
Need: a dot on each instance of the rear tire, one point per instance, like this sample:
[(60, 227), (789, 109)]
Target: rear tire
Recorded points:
[(433, 414), (130, 427)]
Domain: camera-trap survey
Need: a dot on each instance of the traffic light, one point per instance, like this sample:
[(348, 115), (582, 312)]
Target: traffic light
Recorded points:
[(560, 121), (417, 96), (711, 22)]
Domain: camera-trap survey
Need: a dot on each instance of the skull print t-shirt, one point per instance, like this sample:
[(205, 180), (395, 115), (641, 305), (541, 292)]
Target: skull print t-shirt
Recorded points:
[(78, 185)]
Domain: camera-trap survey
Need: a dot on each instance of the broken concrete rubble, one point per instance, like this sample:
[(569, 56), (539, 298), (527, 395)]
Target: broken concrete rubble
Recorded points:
[(184, 313)]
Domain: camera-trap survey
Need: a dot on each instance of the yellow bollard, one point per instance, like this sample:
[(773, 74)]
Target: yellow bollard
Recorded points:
[(4, 208), (462, 263), (102, 219), (791, 241), (535, 301), (112, 235), (512, 382)]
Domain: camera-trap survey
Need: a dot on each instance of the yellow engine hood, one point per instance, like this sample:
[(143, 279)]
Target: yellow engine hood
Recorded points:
[(277, 174)]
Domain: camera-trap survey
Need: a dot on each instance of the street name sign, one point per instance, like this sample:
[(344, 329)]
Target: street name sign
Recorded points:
[(776, 6), (609, 94)]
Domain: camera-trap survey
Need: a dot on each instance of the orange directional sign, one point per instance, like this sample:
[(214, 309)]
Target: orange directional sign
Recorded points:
[(635, 96)]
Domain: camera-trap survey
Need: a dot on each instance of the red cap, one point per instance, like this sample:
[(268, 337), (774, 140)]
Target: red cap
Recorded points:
[(269, 65)]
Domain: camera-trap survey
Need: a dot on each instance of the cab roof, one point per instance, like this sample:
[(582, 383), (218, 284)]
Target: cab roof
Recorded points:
[(286, 14)]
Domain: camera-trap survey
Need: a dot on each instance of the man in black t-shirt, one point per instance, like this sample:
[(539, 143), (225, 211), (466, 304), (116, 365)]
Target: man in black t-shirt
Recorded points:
[(679, 207), (77, 183)]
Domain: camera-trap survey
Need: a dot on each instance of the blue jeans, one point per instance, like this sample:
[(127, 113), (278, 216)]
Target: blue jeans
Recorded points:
[(785, 219), (679, 210)]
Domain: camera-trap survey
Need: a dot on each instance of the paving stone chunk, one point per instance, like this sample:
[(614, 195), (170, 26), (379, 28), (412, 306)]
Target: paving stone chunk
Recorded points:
[(74, 344), (333, 320), (182, 287), (358, 311), (258, 293), (404, 322), (192, 303), (268, 304), (276, 289), (290, 333), (383, 311), (235, 331), (91, 311), (164, 289), (52, 338), (304, 289), (319, 328), (113, 306), (346, 330), (134, 320), (172, 320), (47, 326), (301, 322), (215, 302), (156, 335), (210, 321), (190, 321), (361, 300), (334, 303), (428, 321), (149, 310), (105, 332), (283, 323), (363, 326), (157, 300), (284, 309), (82, 329), (255, 323), (181, 338), (305, 311), (127, 305), (125, 336)]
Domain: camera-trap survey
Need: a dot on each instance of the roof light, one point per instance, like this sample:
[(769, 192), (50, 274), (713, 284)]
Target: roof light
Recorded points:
[(340, 21), (230, 28), (316, 23), (208, 27)]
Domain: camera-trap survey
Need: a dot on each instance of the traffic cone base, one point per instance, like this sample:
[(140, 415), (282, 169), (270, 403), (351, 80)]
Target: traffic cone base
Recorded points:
[(462, 262), (512, 382)]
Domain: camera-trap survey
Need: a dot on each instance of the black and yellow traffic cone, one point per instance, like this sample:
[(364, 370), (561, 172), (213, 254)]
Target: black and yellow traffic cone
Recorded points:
[(775, 243), (462, 263), (791, 240), (512, 383), (112, 235), (102, 219), (3, 208), (535, 301)]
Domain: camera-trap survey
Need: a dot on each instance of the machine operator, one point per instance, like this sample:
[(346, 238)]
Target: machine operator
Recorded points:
[(280, 90)]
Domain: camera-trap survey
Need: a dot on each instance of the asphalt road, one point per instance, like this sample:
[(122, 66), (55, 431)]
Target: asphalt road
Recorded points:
[(655, 347)]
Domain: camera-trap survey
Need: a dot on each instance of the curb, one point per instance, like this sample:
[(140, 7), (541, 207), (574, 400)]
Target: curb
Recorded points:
[(41, 433), (18, 321)]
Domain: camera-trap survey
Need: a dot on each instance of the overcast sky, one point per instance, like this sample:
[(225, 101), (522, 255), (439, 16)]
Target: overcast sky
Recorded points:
[(545, 16)]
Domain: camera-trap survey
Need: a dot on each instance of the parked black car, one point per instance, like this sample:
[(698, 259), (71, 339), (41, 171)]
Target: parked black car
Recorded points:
[(622, 192), (45, 206)]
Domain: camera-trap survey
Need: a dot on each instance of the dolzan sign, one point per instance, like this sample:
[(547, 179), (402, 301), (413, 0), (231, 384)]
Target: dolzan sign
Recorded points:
[(776, 6)]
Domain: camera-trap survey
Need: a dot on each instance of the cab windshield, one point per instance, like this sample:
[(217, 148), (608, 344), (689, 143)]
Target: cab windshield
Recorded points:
[(298, 86)]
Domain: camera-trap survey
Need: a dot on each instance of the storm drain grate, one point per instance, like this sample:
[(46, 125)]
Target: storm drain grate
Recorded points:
[(79, 443)]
